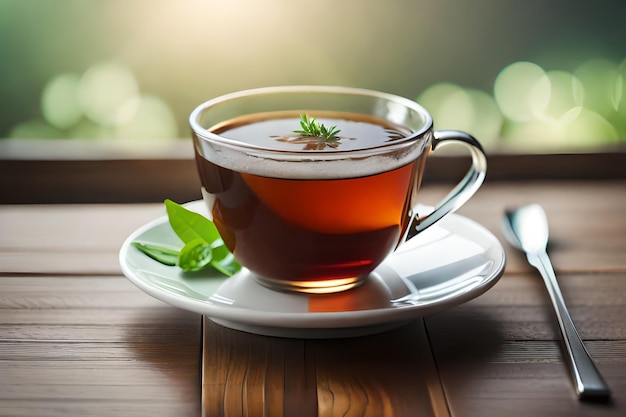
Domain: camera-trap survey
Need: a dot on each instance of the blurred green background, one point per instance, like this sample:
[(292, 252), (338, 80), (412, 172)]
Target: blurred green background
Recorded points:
[(523, 76)]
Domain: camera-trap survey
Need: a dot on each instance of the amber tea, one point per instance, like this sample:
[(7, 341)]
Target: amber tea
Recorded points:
[(312, 187), (322, 228)]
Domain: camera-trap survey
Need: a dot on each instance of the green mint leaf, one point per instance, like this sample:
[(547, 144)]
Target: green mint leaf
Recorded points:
[(203, 247), (224, 261), (227, 267), (195, 255), (188, 225), (166, 256)]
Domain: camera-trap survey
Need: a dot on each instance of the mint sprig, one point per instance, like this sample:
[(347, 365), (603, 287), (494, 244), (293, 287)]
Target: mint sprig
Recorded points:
[(203, 245), (312, 127), (167, 256)]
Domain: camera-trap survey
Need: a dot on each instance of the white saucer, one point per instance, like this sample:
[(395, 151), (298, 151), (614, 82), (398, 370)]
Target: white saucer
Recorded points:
[(450, 263)]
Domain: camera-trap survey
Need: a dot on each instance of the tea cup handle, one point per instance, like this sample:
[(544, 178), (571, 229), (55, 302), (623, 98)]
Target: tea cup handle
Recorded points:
[(463, 190)]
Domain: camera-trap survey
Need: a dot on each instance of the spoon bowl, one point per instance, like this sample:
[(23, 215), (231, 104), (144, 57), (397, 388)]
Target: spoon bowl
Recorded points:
[(527, 228)]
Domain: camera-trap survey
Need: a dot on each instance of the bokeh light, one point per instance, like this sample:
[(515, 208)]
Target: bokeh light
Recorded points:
[(35, 129), (455, 107), (118, 71), (620, 116), (531, 110), (589, 129), (554, 95), (512, 91), (104, 91), (534, 110), (151, 118), (534, 136), (602, 83), (59, 101), (105, 102)]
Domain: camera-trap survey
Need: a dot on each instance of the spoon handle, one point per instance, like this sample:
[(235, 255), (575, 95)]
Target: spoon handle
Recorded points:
[(588, 382)]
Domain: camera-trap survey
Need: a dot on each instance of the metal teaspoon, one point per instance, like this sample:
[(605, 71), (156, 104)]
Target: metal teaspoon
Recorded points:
[(527, 229)]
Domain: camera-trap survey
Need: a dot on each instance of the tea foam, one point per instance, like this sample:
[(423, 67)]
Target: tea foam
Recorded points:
[(266, 145)]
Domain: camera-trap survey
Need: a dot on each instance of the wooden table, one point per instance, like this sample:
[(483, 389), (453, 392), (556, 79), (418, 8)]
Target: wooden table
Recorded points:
[(78, 339)]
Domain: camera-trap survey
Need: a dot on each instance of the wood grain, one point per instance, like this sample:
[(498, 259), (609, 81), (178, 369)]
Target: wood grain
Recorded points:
[(77, 338), (507, 357), (389, 374), (29, 242), (94, 345), (587, 225)]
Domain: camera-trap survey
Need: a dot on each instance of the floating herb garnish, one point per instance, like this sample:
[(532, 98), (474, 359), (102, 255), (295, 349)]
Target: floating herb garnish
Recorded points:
[(312, 127), (203, 246), (314, 135)]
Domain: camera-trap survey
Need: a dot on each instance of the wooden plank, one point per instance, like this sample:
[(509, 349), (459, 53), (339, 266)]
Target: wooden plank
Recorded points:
[(93, 234), (71, 228), (520, 307), (587, 225), (76, 338), (68, 239), (227, 358), (84, 345), (500, 354), (387, 374), (95, 407), (33, 293)]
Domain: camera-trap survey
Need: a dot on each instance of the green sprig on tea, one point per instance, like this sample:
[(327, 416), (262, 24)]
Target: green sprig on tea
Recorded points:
[(312, 127), (314, 135), (203, 246)]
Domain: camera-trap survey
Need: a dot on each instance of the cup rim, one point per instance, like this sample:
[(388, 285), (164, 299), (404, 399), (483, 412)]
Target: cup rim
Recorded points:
[(204, 133)]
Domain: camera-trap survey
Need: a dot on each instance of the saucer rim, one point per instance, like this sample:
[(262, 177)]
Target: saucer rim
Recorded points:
[(308, 320)]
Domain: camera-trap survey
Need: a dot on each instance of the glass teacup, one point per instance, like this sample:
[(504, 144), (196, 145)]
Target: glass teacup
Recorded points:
[(312, 187)]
